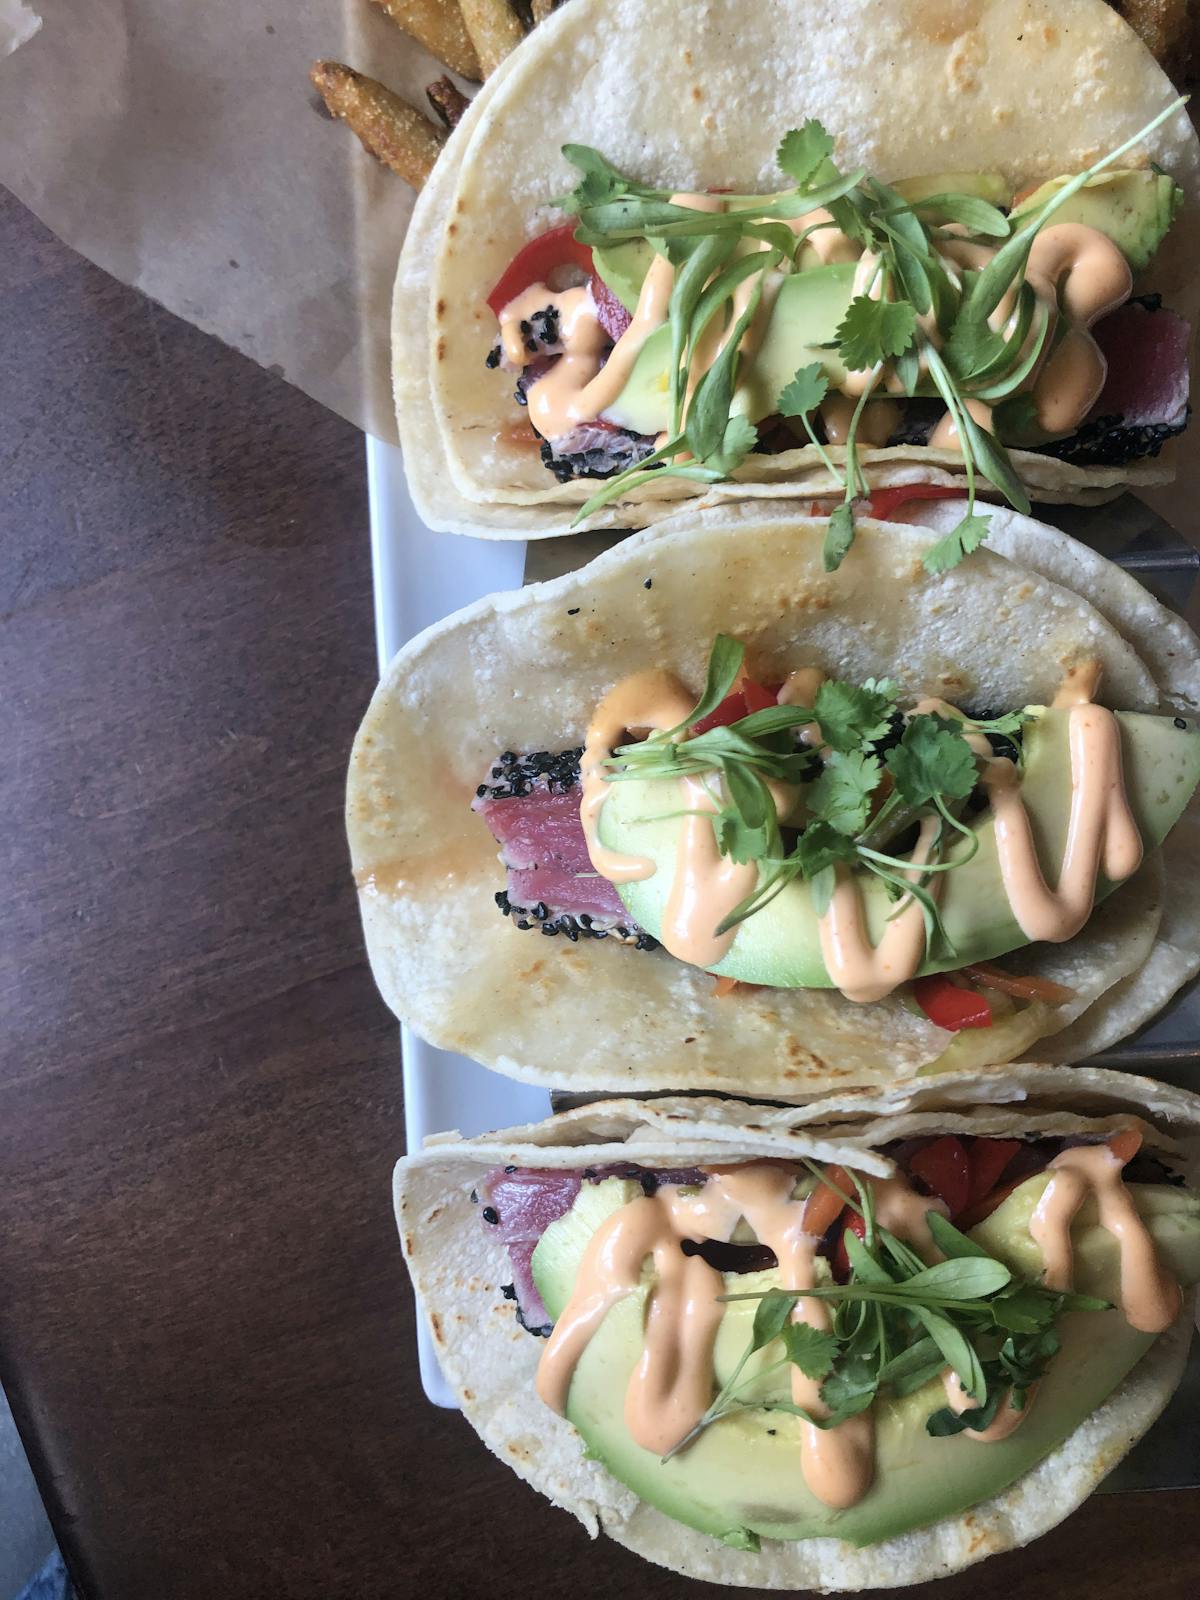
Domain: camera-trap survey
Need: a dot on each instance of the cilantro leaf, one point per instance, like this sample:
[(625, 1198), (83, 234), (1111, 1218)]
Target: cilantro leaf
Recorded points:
[(811, 1349), (873, 330), (774, 1309), (842, 794), (932, 761), (747, 829), (804, 393), (851, 716), (853, 1386), (839, 536), (952, 547), (802, 150), (972, 344), (739, 439), (819, 846)]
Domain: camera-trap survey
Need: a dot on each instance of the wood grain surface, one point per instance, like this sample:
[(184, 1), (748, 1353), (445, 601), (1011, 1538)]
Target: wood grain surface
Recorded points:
[(205, 1329)]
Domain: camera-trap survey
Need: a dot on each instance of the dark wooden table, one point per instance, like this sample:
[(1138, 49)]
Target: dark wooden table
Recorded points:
[(205, 1329)]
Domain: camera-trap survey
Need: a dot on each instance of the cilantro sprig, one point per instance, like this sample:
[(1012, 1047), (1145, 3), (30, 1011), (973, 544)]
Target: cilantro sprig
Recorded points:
[(916, 328), (854, 796), (897, 1325)]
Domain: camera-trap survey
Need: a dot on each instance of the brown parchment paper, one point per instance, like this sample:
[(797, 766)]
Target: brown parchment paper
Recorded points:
[(180, 147)]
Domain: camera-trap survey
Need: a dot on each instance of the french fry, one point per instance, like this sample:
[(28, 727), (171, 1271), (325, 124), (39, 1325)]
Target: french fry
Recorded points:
[(447, 100), (439, 26), (494, 30), (392, 130)]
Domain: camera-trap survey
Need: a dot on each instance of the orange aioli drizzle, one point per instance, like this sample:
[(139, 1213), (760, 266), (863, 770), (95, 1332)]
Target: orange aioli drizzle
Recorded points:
[(800, 688), (707, 886), (648, 700), (1094, 278), (945, 436), (1101, 830), (577, 388), (876, 425), (1150, 1297), (1007, 1419), (828, 243), (861, 970), (672, 1384)]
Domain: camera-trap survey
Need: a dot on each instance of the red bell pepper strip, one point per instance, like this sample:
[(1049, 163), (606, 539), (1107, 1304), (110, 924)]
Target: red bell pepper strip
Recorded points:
[(740, 702), (841, 1256), (535, 261), (947, 1006), (884, 501), (942, 1167), (987, 1159)]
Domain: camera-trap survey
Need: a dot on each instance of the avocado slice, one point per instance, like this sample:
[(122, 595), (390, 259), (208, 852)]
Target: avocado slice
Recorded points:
[(741, 1479), (807, 310), (1134, 208), (623, 267), (780, 945), (989, 186)]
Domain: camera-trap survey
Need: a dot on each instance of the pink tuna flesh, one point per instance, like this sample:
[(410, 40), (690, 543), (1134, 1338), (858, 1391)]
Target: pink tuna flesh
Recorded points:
[(542, 845), (523, 1202), (1147, 355)]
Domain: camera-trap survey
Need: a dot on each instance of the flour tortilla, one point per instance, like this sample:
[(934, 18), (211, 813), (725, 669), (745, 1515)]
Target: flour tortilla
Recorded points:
[(524, 671), (1170, 649), (1029, 88), (457, 1266)]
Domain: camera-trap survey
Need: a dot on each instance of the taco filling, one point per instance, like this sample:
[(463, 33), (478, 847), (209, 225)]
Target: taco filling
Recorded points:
[(784, 1349), (680, 333), (816, 834)]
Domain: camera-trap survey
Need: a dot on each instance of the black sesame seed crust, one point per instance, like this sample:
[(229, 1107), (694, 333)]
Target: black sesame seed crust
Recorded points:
[(514, 776), (1105, 442), (571, 926)]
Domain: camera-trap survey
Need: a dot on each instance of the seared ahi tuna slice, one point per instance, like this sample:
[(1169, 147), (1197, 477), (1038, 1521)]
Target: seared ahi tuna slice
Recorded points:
[(1144, 401), (595, 450), (522, 1203), (531, 804)]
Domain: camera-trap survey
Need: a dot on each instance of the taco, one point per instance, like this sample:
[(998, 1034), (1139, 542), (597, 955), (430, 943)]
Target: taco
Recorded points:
[(858, 1345), (982, 272), (858, 888)]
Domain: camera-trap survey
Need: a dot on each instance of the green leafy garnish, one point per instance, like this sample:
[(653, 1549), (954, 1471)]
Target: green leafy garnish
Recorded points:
[(899, 1324), (873, 330), (852, 798), (805, 392), (842, 794), (924, 327), (839, 536), (853, 715), (962, 539), (932, 761), (802, 151)]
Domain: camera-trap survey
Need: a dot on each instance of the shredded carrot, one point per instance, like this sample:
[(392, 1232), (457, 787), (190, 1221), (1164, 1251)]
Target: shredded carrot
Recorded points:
[(824, 1204), (723, 987), (993, 977)]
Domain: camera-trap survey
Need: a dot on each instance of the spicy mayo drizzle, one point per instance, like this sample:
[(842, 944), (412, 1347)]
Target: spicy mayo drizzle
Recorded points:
[(1101, 833), (671, 1387), (652, 701), (1150, 1297), (581, 384)]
